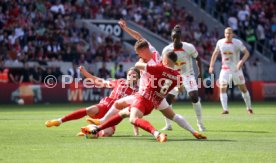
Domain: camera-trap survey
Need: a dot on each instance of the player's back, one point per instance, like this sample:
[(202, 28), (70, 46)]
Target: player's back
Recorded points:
[(163, 80), (121, 89)]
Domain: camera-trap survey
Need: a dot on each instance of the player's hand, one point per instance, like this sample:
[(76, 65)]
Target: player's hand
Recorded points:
[(211, 70), (122, 23), (81, 68), (239, 65)]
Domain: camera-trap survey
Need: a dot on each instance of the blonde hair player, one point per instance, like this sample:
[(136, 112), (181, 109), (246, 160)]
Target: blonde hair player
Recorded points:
[(231, 69)]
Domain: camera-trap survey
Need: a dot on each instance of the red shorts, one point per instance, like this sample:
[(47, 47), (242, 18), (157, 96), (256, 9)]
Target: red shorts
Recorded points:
[(103, 106), (144, 105)]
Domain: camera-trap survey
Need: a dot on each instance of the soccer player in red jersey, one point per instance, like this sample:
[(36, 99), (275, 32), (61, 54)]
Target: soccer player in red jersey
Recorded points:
[(163, 79), (121, 88)]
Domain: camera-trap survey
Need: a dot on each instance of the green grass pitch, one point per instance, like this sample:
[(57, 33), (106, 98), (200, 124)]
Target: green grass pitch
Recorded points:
[(237, 137)]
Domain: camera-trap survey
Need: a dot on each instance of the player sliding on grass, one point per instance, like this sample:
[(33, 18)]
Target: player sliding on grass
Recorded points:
[(121, 88), (231, 69), (163, 79), (186, 52), (148, 54)]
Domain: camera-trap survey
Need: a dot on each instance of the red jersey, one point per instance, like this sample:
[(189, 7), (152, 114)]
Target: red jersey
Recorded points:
[(162, 81), (120, 89)]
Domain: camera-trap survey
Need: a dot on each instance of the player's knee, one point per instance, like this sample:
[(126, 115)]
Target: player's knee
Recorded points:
[(170, 99), (91, 111), (132, 120), (194, 97), (106, 132), (119, 105)]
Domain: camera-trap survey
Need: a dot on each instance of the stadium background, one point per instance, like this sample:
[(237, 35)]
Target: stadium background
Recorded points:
[(41, 38)]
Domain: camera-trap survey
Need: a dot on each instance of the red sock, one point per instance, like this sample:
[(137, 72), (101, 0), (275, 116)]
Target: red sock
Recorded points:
[(145, 125), (74, 115), (112, 121)]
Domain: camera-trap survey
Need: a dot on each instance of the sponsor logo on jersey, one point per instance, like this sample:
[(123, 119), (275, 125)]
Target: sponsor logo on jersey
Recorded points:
[(179, 63), (227, 52)]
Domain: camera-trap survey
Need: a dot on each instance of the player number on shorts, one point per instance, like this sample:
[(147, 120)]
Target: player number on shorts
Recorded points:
[(164, 89)]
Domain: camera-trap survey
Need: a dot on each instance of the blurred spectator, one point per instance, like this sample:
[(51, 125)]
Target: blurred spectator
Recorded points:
[(26, 73), (74, 71), (15, 77), (120, 73), (35, 75), (4, 73), (103, 72)]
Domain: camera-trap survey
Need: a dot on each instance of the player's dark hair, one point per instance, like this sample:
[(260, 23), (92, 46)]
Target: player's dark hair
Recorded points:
[(172, 56), (136, 70), (140, 44)]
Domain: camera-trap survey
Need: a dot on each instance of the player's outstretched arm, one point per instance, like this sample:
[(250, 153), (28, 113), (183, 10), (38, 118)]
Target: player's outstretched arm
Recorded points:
[(213, 60), (97, 81), (140, 65), (244, 58), (130, 31)]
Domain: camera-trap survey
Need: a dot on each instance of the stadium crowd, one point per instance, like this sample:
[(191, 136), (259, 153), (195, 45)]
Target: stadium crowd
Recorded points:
[(46, 30), (252, 20)]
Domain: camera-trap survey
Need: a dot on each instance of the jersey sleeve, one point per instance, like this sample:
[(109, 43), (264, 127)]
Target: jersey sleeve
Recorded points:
[(241, 45), (217, 46), (193, 51), (166, 50)]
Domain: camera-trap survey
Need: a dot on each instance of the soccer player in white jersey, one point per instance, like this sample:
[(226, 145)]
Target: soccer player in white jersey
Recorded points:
[(186, 52), (231, 69)]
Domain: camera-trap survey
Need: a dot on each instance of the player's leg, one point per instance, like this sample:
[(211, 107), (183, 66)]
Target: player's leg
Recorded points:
[(135, 118), (107, 132), (246, 98), (239, 80), (112, 121), (170, 99), (224, 78), (198, 109), (115, 108), (80, 113), (169, 113)]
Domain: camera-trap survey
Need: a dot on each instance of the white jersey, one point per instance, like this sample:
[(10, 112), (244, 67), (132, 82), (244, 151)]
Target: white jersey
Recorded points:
[(230, 53), (145, 77), (184, 63)]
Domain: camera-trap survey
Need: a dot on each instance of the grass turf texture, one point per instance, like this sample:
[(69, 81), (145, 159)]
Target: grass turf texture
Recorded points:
[(237, 137)]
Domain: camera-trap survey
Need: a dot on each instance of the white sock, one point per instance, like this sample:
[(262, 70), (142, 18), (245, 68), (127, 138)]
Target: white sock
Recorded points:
[(168, 121), (112, 111), (247, 99), (197, 108), (156, 133), (223, 100), (60, 121), (183, 123)]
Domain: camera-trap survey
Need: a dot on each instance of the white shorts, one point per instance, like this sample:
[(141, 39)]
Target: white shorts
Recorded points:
[(129, 100), (190, 85), (226, 76)]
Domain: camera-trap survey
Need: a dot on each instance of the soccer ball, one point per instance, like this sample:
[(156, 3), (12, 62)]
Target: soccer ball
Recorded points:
[(20, 101), (91, 136)]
